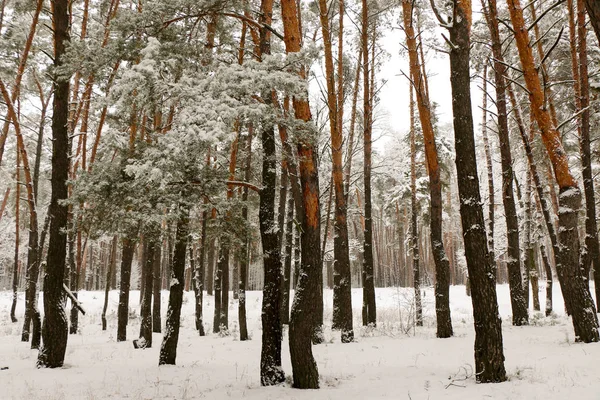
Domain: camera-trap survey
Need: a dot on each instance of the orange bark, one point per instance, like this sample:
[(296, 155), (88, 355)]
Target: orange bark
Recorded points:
[(550, 135)]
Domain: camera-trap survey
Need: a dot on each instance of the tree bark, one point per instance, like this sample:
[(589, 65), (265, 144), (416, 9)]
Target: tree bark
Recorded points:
[(54, 329), (369, 306), (244, 253), (307, 299), (168, 349), (111, 265), (156, 295), (128, 246), (145, 340), (489, 354), (414, 237)]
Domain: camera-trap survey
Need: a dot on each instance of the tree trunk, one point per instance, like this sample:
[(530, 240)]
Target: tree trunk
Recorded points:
[(15, 271), (548, 270), (442, 286), (54, 330), (199, 277), (369, 306), (518, 303), (128, 246), (308, 300), (111, 265), (414, 237), (578, 300), (168, 349), (156, 295), (145, 340), (287, 264), (34, 250), (243, 283), (342, 288), (489, 354)]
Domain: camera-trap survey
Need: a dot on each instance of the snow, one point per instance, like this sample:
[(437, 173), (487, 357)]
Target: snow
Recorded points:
[(395, 360)]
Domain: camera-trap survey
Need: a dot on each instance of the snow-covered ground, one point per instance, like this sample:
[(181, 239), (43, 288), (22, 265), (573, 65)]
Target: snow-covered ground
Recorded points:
[(392, 361)]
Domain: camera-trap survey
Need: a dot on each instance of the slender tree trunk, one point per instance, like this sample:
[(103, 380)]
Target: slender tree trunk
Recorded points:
[(369, 306), (168, 349), (548, 270), (271, 372), (243, 283), (287, 264), (156, 295), (342, 289), (489, 354), (54, 330), (414, 237), (442, 266), (128, 246), (34, 250), (199, 277), (15, 271), (518, 303), (578, 299), (145, 340), (218, 298), (308, 300), (111, 265), (490, 171)]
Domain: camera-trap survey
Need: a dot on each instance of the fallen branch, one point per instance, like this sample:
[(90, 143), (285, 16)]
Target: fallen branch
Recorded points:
[(74, 300)]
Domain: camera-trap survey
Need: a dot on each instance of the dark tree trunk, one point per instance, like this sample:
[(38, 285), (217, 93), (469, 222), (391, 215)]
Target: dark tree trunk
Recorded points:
[(489, 354), (548, 269), (199, 278), (156, 297), (145, 340), (15, 271), (308, 302), (515, 280), (243, 283), (210, 269), (218, 298), (54, 330), (34, 251), (287, 263), (111, 265), (271, 372), (168, 349), (36, 331), (369, 306), (222, 276), (73, 275), (128, 246), (414, 237)]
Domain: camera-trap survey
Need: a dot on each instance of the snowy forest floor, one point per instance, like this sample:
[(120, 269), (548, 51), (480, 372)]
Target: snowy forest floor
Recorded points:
[(392, 361)]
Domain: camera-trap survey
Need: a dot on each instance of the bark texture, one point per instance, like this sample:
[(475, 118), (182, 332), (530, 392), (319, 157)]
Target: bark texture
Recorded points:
[(54, 329), (489, 354), (168, 349), (307, 300), (123, 310)]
